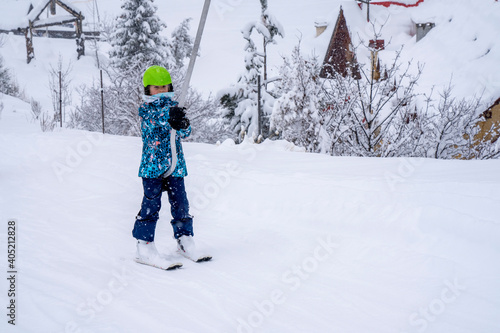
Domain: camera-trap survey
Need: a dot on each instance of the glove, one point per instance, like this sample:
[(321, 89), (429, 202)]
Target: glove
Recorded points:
[(177, 118)]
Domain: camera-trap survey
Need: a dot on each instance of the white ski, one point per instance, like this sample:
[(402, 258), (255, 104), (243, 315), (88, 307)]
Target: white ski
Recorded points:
[(170, 267), (200, 258), (187, 248)]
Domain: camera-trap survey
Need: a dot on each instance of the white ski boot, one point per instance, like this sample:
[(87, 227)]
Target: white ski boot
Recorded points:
[(187, 248), (147, 254)]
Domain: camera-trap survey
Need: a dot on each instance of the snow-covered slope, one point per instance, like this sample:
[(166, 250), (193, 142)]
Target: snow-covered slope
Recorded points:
[(301, 242)]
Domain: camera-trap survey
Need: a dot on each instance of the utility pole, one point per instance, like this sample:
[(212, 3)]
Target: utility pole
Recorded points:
[(102, 103), (367, 10), (259, 109), (60, 98), (367, 2)]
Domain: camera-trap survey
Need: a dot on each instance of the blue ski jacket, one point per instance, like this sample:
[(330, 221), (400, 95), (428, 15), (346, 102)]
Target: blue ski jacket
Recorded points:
[(156, 151)]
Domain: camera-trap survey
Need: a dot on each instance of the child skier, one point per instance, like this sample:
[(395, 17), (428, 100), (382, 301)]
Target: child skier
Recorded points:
[(163, 168)]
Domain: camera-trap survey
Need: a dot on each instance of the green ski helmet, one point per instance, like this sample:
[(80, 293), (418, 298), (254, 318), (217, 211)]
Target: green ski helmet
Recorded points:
[(156, 76)]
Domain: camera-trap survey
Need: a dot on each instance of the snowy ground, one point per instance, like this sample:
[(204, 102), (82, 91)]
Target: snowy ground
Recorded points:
[(301, 242)]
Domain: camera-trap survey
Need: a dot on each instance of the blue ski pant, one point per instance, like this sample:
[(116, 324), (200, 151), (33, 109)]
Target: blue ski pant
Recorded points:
[(145, 223)]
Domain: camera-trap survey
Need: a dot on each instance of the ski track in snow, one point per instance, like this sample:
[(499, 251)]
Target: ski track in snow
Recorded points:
[(301, 242)]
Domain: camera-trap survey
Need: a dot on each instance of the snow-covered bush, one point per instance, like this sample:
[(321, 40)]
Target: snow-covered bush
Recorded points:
[(8, 85), (36, 109), (47, 122), (452, 128)]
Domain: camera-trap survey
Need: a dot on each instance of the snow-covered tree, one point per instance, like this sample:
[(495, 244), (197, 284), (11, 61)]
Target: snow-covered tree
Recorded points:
[(240, 102), (272, 29), (181, 43), (136, 41), (296, 114)]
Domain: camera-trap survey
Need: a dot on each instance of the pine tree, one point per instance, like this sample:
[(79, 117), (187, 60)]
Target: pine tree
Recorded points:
[(136, 41), (181, 43)]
